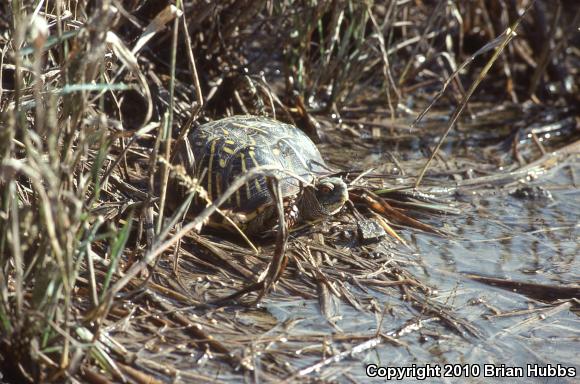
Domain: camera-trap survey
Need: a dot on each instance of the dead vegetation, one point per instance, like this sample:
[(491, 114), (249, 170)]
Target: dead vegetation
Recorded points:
[(102, 282)]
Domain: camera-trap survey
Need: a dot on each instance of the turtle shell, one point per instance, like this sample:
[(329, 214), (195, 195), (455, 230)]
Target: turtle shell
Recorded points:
[(227, 148)]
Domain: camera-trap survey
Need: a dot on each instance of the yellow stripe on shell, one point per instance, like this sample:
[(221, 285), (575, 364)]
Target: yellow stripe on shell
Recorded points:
[(244, 169), (218, 184), (258, 186), (252, 155), (210, 168), (243, 162), (238, 199)]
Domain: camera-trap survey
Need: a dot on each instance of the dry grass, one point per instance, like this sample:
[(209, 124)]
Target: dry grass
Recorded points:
[(92, 96)]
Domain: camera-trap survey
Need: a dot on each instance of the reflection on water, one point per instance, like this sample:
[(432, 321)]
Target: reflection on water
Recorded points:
[(530, 237), (530, 240)]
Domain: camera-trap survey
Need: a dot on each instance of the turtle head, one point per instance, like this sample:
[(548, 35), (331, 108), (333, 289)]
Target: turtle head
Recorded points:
[(325, 199)]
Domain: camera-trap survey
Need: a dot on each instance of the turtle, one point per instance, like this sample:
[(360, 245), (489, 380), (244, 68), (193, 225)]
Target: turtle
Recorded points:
[(227, 148)]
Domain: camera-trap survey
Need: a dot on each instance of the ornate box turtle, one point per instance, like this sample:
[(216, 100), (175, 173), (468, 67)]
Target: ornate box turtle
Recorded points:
[(226, 149)]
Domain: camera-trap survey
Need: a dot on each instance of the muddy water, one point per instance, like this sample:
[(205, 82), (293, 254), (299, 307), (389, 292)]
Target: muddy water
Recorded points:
[(532, 240), (528, 233)]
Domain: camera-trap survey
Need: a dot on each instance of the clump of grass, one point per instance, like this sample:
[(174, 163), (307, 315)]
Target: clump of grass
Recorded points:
[(57, 147), (324, 56)]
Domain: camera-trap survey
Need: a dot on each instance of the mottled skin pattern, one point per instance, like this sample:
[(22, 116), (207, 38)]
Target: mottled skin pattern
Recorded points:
[(227, 148)]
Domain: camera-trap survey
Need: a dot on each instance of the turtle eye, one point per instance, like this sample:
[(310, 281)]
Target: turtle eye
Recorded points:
[(325, 189)]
